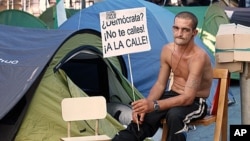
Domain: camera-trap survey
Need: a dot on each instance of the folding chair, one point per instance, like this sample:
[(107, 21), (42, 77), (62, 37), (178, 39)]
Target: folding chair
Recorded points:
[(220, 114), (84, 108)]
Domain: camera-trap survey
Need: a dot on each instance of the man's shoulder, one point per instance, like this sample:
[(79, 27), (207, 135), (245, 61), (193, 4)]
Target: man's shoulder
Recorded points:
[(200, 57), (168, 46), (200, 52)]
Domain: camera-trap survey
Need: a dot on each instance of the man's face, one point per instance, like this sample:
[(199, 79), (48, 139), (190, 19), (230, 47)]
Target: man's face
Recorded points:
[(183, 31)]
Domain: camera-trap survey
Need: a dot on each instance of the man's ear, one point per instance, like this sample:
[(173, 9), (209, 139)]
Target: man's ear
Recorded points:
[(195, 32)]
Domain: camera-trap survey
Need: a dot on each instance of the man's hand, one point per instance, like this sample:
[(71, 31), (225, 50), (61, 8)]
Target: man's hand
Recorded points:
[(143, 106), (138, 118), (140, 108)]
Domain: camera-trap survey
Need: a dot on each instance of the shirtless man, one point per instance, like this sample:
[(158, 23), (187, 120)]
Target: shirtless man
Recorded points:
[(192, 79)]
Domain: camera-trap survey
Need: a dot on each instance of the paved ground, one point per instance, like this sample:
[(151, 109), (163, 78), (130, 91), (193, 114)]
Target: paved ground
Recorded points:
[(205, 133)]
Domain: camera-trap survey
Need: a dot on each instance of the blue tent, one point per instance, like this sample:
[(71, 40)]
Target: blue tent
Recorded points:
[(24, 53), (145, 65)]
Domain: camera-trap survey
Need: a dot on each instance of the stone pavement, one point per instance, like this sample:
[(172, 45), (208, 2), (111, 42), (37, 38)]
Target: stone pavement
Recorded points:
[(205, 133)]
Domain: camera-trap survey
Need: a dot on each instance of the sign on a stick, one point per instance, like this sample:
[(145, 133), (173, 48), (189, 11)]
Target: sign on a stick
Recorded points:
[(124, 32)]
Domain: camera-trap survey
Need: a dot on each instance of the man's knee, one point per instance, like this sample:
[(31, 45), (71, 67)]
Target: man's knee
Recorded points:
[(174, 114)]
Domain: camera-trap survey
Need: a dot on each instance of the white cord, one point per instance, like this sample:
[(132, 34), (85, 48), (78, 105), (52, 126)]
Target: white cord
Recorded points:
[(79, 20), (132, 83), (131, 76)]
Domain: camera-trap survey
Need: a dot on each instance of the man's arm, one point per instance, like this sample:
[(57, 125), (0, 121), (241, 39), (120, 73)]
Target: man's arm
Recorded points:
[(143, 106), (163, 76)]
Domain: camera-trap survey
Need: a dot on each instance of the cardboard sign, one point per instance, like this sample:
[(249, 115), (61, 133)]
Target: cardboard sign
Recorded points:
[(124, 32)]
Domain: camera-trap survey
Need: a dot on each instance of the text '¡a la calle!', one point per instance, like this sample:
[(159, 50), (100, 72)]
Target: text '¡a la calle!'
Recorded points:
[(131, 42)]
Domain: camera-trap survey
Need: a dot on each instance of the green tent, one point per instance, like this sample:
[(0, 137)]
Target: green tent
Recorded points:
[(76, 69), (48, 16), (20, 18), (215, 16)]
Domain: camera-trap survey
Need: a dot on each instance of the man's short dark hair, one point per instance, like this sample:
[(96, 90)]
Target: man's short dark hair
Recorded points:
[(188, 15)]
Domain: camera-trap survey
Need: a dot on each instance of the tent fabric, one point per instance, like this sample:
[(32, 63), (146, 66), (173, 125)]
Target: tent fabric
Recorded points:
[(20, 18), (76, 69), (48, 16), (23, 56), (215, 15), (22, 60), (159, 21)]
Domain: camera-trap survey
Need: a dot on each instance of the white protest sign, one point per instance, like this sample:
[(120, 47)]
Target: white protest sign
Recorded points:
[(124, 31)]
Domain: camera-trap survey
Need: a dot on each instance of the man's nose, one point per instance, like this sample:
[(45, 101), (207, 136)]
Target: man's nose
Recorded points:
[(179, 32)]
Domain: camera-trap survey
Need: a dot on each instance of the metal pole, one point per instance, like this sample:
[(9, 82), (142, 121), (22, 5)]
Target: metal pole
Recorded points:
[(83, 4), (245, 93)]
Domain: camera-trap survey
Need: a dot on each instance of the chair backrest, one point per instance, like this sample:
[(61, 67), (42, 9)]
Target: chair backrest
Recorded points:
[(220, 97), (84, 108), (220, 132)]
